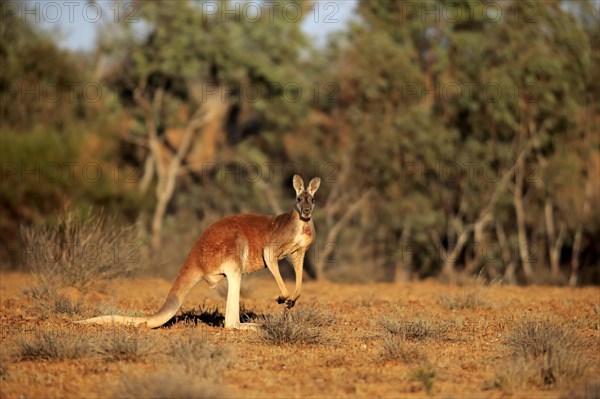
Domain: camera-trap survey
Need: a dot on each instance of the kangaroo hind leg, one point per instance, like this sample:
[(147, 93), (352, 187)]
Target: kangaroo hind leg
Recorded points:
[(232, 310)]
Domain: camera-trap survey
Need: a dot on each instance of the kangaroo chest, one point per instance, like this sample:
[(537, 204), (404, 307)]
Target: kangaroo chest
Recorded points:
[(301, 237)]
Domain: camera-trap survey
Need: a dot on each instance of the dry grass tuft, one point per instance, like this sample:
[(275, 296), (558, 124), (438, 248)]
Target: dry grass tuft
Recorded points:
[(52, 345), (169, 382), (64, 305), (396, 348), (589, 390), (3, 368), (312, 317), (471, 299), (400, 337), (120, 346), (49, 301), (515, 375), (59, 304), (473, 294), (539, 337), (415, 330), (305, 326), (198, 356), (79, 249), (543, 354), (195, 372)]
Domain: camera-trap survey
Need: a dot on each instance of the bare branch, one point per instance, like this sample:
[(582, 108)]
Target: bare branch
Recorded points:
[(270, 197), (336, 229)]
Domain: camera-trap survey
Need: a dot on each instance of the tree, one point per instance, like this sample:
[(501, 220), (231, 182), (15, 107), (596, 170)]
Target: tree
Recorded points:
[(193, 70), (460, 125)]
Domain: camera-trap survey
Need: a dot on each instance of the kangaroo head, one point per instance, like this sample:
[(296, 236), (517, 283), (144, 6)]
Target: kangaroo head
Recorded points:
[(305, 200)]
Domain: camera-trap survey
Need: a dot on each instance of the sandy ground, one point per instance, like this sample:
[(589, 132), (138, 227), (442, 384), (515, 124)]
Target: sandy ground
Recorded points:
[(463, 361)]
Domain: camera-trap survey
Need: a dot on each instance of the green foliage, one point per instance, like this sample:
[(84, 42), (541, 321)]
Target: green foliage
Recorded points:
[(426, 375), (434, 110), (57, 145), (32, 175), (424, 111), (45, 170), (35, 92), (256, 60)]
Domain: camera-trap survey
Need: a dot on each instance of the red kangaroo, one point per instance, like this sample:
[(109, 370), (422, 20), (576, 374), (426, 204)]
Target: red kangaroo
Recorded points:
[(238, 245)]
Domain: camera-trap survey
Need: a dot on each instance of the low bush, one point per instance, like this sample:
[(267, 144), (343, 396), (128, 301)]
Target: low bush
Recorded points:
[(171, 381), (198, 356), (304, 326), (52, 345), (543, 353), (79, 249), (416, 330), (122, 346)]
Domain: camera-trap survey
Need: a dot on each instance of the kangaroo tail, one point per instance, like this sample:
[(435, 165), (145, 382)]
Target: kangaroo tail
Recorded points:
[(187, 278)]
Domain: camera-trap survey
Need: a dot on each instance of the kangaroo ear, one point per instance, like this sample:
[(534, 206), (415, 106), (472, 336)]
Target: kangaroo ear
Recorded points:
[(298, 184), (313, 186)]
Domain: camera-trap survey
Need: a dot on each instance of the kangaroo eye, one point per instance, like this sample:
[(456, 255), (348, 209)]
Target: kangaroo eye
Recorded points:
[(298, 199), (313, 200)]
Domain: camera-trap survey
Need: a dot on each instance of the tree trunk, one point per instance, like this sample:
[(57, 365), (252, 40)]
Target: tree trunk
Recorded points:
[(574, 278), (404, 264), (575, 257), (167, 181), (148, 173), (554, 243), (484, 217), (449, 256), (333, 233), (507, 255), (449, 264), (521, 230), (479, 249)]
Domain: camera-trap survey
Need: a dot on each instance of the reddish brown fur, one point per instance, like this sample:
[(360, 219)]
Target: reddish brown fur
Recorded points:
[(225, 239), (239, 245)]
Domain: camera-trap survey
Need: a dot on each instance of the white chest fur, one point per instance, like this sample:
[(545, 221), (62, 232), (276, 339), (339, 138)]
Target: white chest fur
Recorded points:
[(302, 240), (304, 235)]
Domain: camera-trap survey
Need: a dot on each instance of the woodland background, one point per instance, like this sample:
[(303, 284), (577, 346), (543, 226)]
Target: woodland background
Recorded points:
[(453, 138)]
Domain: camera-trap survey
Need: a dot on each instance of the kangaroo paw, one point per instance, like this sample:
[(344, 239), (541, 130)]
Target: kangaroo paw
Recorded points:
[(290, 303), (281, 299)]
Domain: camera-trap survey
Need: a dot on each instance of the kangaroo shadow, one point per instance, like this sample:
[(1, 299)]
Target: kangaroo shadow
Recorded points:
[(210, 316)]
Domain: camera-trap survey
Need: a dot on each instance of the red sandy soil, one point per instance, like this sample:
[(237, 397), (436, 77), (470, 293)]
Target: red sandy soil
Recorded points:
[(466, 359)]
